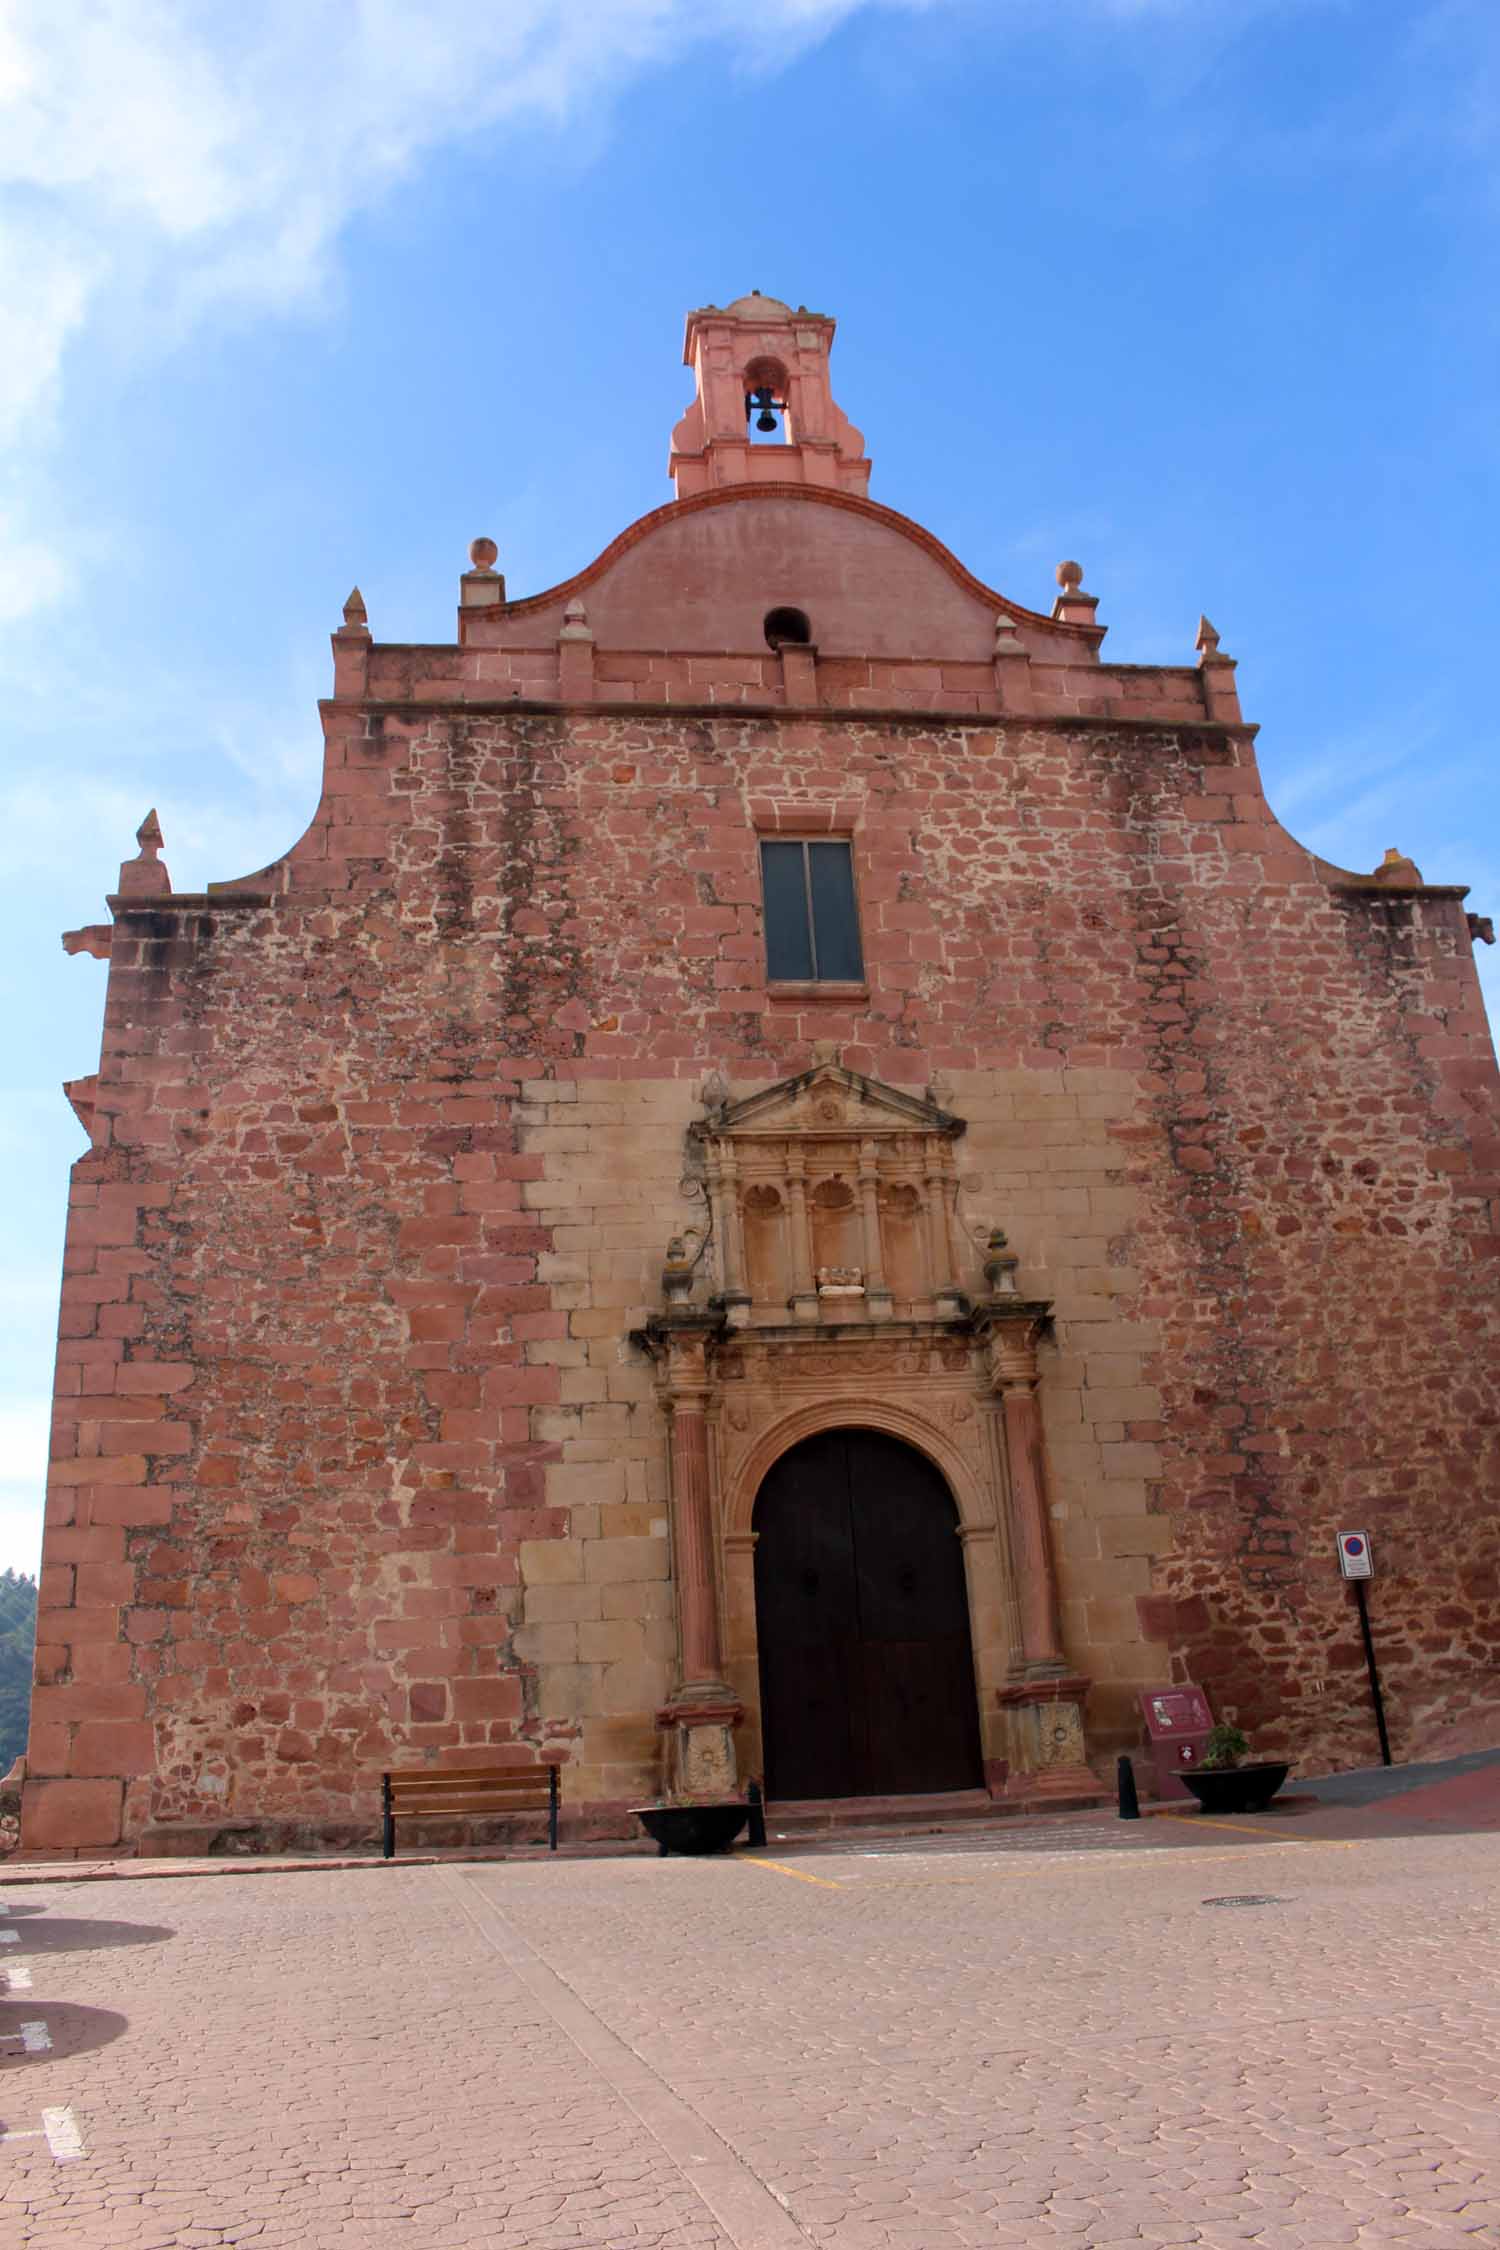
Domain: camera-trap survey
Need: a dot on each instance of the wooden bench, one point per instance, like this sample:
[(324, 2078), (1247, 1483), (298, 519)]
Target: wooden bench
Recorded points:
[(442, 1791)]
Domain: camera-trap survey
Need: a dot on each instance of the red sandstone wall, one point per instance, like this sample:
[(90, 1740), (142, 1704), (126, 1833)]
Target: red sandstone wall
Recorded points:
[(295, 1451)]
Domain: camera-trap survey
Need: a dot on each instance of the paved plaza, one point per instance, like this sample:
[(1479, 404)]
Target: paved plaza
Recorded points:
[(1283, 2032)]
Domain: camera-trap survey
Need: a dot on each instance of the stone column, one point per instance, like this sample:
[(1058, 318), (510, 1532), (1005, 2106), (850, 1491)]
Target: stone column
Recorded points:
[(700, 1718), (804, 1298), (692, 1545), (947, 1299), (1043, 1699), (937, 1230), (878, 1300), (1014, 1374), (724, 1188)]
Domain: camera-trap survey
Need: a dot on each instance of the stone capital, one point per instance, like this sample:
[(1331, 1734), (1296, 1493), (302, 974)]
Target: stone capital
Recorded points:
[(1010, 1329), (682, 1342)]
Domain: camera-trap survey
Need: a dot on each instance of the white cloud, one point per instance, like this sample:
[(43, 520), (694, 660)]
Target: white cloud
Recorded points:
[(225, 152), (174, 157)]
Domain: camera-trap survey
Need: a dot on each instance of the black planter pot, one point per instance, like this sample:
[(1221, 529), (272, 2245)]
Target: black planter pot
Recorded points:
[(1223, 1789), (692, 1829)]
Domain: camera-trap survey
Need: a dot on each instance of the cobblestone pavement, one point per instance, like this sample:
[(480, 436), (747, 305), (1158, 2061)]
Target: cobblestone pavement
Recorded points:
[(1075, 2033)]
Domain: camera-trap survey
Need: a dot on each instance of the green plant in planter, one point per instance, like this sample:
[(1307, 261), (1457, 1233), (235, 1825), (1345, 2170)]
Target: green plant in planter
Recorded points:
[(1224, 1747)]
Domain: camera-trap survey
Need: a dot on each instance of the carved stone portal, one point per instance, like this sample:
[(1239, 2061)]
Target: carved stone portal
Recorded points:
[(843, 1299)]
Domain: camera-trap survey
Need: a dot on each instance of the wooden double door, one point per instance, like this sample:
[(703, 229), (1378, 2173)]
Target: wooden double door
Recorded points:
[(866, 1666)]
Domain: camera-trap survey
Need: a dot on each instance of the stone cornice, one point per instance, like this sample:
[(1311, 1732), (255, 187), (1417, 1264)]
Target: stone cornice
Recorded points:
[(186, 902), (797, 714)]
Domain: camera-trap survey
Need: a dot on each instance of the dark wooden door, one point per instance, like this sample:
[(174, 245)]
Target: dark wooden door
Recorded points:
[(866, 1669)]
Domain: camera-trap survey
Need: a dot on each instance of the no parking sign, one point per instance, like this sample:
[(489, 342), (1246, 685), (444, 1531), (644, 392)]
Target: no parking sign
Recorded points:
[(1355, 1557), (1356, 1561)]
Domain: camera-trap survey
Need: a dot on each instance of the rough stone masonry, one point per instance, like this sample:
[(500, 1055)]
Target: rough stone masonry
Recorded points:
[(474, 1232)]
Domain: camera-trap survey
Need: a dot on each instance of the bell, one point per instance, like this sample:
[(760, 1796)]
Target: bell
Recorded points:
[(765, 398)]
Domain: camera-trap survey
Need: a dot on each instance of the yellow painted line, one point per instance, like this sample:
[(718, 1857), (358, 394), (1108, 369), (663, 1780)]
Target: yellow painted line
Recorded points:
[(1240, 1827), (780, 1867), (1235, 1827)]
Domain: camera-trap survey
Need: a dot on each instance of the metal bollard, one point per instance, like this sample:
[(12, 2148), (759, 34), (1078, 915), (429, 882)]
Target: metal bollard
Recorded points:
[(755, 1832), (1125, 1784)]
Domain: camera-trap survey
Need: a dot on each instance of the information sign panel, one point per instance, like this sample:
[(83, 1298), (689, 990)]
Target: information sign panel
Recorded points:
[(1179, 1722)]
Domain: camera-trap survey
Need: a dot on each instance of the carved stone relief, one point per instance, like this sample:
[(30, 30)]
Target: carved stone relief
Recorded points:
[(831, 1185)]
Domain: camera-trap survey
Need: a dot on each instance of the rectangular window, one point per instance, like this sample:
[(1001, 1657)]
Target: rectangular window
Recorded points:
[(812, 929)]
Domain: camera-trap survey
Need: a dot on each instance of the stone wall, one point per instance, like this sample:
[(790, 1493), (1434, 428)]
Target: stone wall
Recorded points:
[(355, 1461)]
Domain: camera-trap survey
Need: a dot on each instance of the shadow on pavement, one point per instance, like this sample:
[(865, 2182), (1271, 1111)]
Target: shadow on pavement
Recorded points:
[(60, 1934), (72, 2030)]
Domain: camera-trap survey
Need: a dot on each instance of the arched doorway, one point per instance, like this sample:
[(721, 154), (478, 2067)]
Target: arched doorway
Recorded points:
[(866, 1668)]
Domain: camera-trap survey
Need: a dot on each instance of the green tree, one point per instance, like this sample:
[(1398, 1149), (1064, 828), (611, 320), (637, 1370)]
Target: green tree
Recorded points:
[(17, 1636)]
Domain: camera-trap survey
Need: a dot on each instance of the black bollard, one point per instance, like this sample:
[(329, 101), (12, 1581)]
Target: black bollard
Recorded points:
[(755, 1833), (1125, 1783)]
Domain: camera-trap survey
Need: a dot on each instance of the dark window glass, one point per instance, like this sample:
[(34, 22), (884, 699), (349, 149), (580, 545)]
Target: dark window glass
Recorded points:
[(789, 950), (835, 929), (812, 931)]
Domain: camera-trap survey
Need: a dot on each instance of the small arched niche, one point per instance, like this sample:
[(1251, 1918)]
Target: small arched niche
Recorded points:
[(788, 628), (766, 418), (767, 1270)]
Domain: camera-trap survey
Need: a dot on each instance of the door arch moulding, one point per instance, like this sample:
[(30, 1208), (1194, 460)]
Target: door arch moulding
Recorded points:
[(978, 1512)]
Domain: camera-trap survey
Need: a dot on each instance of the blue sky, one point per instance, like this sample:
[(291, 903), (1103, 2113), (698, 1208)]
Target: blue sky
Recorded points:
[(1200, 291)]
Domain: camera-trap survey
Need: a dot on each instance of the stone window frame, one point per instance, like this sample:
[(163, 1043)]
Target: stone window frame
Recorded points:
[(793, 823)]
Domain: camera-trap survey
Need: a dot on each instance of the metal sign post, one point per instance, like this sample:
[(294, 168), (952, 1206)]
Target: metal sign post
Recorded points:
[(1357, 1562)]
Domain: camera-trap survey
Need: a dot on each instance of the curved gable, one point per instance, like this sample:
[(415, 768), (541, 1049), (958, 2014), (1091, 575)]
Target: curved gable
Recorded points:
[(700, 575)]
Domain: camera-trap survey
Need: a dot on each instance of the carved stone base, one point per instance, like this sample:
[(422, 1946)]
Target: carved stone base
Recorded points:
[(700, 1754), (1044, 1727)]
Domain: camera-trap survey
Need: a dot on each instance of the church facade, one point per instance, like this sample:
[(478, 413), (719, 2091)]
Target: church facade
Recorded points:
[(794, 1179)]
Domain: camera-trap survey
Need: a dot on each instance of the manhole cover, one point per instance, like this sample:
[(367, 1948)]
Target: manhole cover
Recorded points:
[(1246, 1898)]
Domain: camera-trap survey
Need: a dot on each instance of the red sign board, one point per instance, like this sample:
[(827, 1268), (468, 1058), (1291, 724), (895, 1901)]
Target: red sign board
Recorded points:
[(1179, 1722), (1173, 1712)]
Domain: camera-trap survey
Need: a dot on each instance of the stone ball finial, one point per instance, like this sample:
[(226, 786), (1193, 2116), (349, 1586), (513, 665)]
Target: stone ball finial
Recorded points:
[(483, 554), (677, 1270), (1069, 575), (1000, 1265)]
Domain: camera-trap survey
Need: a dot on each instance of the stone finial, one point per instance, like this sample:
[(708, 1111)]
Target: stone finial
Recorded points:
[(1398, 872), (677, 1271), (481, 586), (1073, 606), (1008, 641), (351, 649), (1000, 1265), (146, 874), (1216, 670), (575, 655)]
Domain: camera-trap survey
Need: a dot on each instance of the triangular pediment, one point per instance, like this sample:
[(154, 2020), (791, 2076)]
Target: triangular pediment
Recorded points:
[(828, 1100)]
